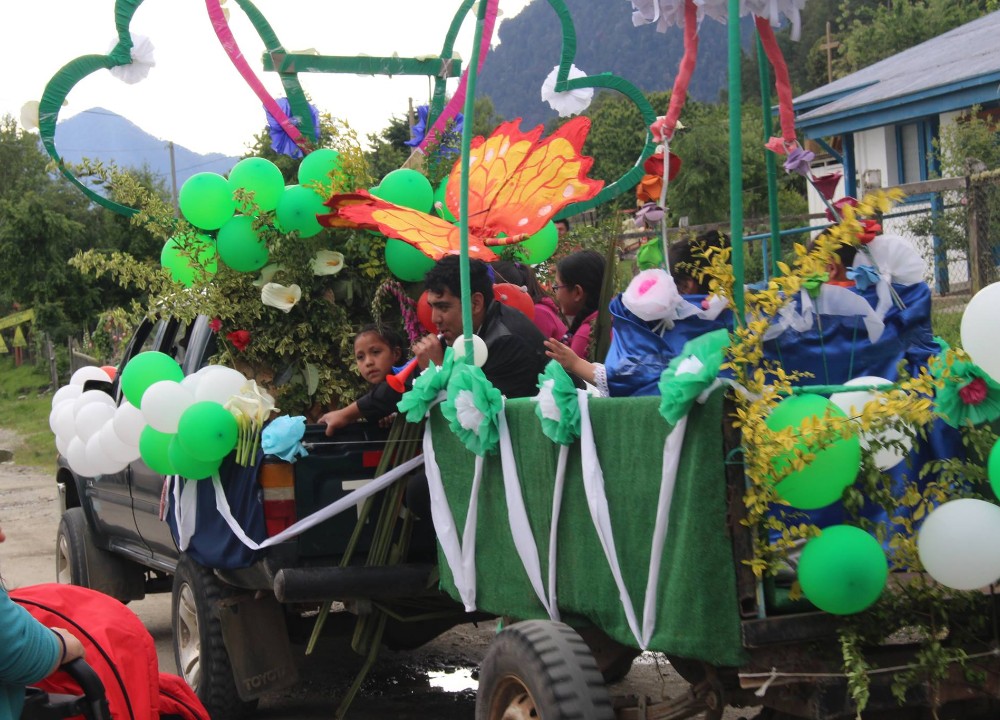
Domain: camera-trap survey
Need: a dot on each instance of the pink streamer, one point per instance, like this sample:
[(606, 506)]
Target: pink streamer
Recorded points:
[(228, 42), (458, 99)]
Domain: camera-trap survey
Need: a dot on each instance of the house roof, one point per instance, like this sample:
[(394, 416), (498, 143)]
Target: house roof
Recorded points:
[(953, 71)]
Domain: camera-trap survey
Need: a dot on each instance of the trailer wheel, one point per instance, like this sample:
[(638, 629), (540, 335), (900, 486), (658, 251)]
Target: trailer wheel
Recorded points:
[(199, 649), (540, 669), (80, 562)]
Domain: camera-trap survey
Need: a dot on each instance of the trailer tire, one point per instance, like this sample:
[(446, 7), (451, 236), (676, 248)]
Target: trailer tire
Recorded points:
[(199, 650), (79, 561), (541, 669)]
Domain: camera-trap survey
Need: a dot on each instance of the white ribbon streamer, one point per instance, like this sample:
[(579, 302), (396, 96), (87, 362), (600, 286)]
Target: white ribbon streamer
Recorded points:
[(557, 495), (517, 516)]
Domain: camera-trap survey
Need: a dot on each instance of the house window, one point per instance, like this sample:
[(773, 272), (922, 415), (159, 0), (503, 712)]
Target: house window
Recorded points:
[(913, 144)]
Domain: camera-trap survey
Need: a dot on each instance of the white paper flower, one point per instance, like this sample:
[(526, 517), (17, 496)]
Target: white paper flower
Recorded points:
[(327, 262), (281, 297), (546, 400), (29, 115), (142, 61), (568, 103), (652, 295), (469, 416)]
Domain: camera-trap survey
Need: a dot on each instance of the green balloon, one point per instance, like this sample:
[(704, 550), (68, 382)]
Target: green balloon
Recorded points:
[(440, 196), (297, 211), (154, 448), (207, 431), (843, 571), (173, 259), (405, 261), (317, 166), (187, 465), (240, 246), (145, 369), (407, 188), (540, 246), (835, 466), (993, 468), (206, 200), (261, 177)]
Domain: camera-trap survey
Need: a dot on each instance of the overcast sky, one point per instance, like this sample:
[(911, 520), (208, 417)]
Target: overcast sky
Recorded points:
[(194, 96)]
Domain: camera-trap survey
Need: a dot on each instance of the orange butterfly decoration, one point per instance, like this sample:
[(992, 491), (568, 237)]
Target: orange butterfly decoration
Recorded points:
[(517, 183)]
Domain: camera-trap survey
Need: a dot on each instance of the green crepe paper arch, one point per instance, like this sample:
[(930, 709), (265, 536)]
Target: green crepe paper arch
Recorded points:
[(261, 177), (439, 197), (240, 246), (843, 571), (823, 480), (188, 466), (993, 468), (145, 369), (539, 247), (207, 431), (407, 188), (154, 449), (206, 200), (317, 166), (173, 259), (297, 211), (405, 261)]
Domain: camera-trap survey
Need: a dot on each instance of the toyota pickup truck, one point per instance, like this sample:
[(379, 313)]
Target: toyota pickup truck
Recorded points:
[(234, 610)]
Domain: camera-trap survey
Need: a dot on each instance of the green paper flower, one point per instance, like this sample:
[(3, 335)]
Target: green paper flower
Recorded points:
[(967, 393), (473, 409), (556, 405), (417, 400), (689, 374), (814, 283)]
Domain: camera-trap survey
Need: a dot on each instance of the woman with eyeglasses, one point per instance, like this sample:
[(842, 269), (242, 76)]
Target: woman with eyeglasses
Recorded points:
[(579, 277)]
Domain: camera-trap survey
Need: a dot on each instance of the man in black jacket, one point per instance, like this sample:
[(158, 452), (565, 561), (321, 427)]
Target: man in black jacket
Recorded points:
[(515, 345)]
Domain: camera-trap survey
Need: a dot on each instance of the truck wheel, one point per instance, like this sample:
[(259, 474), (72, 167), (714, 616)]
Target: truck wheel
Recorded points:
[(541, 669), (80, 562), (199, 649)]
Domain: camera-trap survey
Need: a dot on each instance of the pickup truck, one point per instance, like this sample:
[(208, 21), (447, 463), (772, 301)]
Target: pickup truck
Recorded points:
[(234, 611)]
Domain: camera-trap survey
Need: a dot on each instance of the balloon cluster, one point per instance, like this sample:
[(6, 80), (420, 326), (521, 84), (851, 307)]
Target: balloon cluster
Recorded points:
[(208, 201), (178, 425)]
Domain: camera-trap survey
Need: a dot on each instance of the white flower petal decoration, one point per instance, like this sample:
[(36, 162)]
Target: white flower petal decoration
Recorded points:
[(327, 262), (568, 103), (29, 115), (281, 297), (266, 275), (546, 400), (469, 416), (652, 295), (142, 61)]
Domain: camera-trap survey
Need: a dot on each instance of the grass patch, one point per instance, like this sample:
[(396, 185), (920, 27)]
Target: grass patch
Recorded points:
[(25, 403), (946, 318)]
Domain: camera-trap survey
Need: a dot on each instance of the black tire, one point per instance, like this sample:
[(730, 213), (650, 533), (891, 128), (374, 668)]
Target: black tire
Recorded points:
[(80, 562), (544, 670), (199, 648)]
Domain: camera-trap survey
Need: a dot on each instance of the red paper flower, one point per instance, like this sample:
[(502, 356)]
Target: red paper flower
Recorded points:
[(973, 393), (871, 229), (240, 339), (215, 324), (776, 145)]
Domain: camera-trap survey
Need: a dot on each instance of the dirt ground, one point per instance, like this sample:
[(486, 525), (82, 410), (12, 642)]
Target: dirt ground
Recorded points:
[(439, 677)]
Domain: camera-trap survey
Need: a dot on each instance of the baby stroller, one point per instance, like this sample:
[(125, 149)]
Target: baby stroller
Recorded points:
[(120, 677)]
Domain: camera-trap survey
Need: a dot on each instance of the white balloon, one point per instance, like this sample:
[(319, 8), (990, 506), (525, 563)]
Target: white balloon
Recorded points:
[(76, 456), (959, 544), (65, 422), (98, 459), (479, 351), (979, 336), (66, 393), (114, 448), (90, 418), (853, 403), (90, 372), (218, 383), (163, 403), (128, 423), (62, 445), (93, 396)]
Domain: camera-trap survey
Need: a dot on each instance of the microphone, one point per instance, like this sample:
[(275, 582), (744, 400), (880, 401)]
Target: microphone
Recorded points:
[(397, 381)]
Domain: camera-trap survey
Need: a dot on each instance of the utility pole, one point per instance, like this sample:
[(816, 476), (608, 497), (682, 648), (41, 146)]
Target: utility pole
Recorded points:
[(173, 176), (830, 45)]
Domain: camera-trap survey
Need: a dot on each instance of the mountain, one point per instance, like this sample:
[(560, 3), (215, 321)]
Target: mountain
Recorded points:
[(531, 46), (100, 134)]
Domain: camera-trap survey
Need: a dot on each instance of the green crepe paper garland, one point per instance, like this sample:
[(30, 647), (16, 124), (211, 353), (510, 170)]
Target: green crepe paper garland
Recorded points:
[(484, 439), (566, 429), (678, 392), (428, 385)]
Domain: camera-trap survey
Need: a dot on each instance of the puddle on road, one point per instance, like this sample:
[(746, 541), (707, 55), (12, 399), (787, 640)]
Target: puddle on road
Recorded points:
[(454, 681)]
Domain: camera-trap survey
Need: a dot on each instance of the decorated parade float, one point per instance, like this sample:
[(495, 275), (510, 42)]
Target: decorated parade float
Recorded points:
[(791, 491)]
